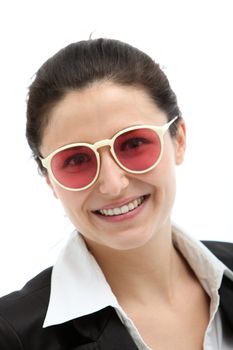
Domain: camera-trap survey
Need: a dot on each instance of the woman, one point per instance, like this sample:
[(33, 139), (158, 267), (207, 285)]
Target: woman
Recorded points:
[(107, 133)]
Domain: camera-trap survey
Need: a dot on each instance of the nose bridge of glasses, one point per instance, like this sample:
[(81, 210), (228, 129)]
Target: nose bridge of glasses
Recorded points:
[(102, 143)]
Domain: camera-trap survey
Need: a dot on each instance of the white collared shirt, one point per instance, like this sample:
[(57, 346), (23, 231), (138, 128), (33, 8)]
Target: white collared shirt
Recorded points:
[(79, 287)]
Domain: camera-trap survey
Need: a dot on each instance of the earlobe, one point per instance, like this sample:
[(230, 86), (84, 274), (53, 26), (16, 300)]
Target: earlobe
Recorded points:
[(180, 142), (49, 183)]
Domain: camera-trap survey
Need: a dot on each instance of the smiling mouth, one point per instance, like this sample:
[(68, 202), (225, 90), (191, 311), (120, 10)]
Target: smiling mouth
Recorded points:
[(124, 209)]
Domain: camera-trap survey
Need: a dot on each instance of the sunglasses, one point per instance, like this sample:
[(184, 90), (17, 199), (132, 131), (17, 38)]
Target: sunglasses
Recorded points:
[(136, 149)]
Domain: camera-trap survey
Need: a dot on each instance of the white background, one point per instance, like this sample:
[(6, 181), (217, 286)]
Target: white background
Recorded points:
[(192, 40)]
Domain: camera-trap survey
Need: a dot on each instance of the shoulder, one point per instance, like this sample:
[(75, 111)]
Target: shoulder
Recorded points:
[(23, 311), (38, 287), (222, 250)]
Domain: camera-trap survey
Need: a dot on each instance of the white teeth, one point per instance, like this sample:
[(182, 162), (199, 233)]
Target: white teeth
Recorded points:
[(107, 212), (116, 211), (124, 209), (130, 206)]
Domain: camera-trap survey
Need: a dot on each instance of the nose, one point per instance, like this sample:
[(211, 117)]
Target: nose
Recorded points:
[(112, 179)]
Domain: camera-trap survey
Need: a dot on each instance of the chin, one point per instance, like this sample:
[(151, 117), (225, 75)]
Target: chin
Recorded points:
[(128, 240)]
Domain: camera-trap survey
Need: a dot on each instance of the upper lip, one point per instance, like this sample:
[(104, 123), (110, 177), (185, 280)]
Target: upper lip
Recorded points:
[(119, 203)]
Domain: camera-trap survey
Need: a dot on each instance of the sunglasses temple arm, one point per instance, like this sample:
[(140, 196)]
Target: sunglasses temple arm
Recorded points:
[(171, 122)]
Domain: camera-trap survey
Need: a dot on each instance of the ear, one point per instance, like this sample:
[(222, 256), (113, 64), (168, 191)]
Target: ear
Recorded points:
[(50, 184), (180, 142)]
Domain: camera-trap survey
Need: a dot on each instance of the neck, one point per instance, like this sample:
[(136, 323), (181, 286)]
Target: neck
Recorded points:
[(150, 271)]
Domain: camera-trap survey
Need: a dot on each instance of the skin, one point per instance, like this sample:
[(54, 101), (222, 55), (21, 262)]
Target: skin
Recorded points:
[(136, 255), (114, 108)]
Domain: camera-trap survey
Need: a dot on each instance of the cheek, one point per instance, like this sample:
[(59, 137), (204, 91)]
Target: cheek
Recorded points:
[(73, 206), (164, 172), (72, 201)]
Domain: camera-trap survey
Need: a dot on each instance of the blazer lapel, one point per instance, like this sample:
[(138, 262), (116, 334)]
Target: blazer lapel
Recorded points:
[(226, 300), (224, 252), (103, 330)]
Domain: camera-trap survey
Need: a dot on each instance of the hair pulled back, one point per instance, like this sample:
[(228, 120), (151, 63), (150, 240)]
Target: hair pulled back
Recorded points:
[(78, 65)]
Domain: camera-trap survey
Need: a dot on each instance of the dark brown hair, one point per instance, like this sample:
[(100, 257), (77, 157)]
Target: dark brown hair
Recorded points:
[(80, 64)]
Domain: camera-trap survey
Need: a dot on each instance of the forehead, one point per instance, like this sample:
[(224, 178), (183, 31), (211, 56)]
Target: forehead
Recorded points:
[(98, 112)]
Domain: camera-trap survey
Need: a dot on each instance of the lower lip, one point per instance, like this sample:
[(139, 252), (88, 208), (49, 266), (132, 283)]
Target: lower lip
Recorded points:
[(131, 214)]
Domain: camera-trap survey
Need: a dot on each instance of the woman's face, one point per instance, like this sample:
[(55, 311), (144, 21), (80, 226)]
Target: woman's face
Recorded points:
[(97, 113)]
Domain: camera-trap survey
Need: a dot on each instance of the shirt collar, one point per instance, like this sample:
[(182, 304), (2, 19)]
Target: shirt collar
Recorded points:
[(79, 287), (207, 267)]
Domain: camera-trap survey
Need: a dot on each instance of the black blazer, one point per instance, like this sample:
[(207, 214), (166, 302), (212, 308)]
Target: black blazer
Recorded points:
[(22, 314)]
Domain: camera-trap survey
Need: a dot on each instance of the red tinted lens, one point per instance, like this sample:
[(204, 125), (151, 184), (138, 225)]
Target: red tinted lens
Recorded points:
[(138, 149), (74, 167)]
